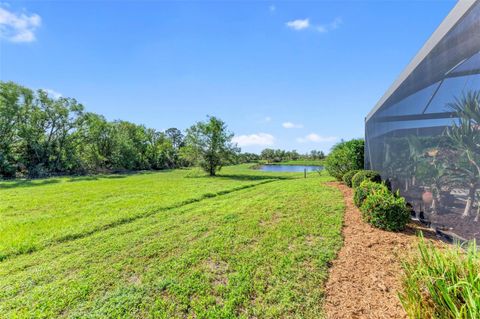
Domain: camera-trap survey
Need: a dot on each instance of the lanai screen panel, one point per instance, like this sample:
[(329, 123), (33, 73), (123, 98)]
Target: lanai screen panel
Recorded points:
[(425, 138)]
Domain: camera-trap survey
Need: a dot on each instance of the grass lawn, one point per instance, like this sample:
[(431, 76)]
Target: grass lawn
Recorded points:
[(40, 212), (169, 244)]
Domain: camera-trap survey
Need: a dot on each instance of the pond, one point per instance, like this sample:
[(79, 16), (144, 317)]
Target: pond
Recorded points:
[(289, 168)]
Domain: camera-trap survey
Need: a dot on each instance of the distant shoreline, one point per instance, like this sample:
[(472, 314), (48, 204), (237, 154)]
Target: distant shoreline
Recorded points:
[(299, 163)]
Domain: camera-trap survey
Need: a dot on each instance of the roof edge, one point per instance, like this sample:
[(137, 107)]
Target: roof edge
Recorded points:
[(460, 9)]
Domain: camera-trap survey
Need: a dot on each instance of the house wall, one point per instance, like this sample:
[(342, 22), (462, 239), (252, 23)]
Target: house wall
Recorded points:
[(409, 135)]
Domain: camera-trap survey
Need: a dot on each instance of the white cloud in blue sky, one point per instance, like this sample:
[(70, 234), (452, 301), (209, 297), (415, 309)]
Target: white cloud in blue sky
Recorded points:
[(291, 125), (258, 139), (304, 24), (18, 27), (335, 24), (315, 138), (190, 61), (298, 24)]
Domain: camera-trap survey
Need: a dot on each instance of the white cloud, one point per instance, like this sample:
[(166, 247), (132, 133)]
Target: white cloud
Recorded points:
[(291, 125), (263, 139), (53, 93), (272, 8), (268, 119), (312, 137), (298, 24), (335, 24), (16, 27)]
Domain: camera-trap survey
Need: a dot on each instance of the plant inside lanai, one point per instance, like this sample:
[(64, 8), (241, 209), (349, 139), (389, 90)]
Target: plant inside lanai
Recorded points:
[(464, 135)]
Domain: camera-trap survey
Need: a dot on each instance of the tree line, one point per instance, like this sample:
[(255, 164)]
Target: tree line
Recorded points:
[(41, 135), (278, 155)]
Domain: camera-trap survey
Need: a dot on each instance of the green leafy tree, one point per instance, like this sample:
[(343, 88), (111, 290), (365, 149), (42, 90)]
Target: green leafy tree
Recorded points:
[(177, 141), (209, 144), (45, 134), (465, 137), (268, 154), (345, 157), (13, 99)]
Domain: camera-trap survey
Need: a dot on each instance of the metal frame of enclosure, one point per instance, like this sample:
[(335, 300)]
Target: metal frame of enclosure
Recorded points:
[(423, 135)]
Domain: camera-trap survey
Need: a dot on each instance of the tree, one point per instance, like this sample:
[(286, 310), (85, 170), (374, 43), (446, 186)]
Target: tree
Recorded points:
[(45, 133), (175, 136), (465, 137), (247, 158), (344, 157), (209, 144), (13, 99), (316, 155), (176, 140), (268, 154), (98, 143)]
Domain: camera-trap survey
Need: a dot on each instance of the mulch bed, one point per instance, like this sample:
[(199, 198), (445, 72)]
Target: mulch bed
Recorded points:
[(364, 280)]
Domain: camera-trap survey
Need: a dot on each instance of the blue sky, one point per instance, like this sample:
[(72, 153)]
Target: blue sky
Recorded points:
[(292, 75)]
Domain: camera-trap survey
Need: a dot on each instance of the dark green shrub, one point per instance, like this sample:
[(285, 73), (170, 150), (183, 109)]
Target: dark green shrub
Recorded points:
[(347, 177), (366, 188), (442, 283), (360, 176), (344, 157), (384, 210)]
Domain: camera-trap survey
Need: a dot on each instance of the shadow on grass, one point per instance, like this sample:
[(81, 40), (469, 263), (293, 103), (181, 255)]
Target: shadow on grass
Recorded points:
[(95, 178), (245, 177), (115, 175), (74, 236), (242, 177), (19, 183), (27, 183)]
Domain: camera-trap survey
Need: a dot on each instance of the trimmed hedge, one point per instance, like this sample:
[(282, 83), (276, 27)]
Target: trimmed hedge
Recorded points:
[(366, 188), (384, 210), (347, 177), (360, 176)]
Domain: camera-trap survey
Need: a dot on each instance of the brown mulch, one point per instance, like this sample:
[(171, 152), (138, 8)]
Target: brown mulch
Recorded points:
[(364, 280)]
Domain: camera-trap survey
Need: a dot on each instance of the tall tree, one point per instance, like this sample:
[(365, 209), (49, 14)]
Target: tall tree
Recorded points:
[(175, 136), (13, 99), (209, 144)]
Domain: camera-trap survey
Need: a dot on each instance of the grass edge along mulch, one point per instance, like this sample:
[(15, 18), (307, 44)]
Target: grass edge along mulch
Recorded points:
[(365, 278), (256, 253)]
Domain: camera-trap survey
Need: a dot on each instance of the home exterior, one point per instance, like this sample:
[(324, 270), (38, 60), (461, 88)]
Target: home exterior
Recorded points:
[(423, 135)]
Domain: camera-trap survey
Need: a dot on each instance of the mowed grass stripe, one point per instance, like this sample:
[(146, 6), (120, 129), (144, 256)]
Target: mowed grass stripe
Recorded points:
[(38, 213), (121, 221), (259, 252)]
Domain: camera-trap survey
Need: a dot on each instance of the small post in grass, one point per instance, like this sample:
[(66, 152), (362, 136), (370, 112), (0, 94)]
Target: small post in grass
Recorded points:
[(304, 173)]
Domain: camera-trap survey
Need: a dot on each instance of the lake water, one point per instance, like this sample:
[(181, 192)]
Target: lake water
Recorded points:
[(289, 168)]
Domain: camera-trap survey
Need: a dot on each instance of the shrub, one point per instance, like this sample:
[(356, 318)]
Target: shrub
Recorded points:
[(360, 176), (442, 283), (384, 210), (344, 157), (347, 177), (366, 188)]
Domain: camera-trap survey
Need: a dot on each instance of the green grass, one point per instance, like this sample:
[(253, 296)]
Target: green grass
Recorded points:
[(37, 213), (242, 245), (301, 162), (442, 283)]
